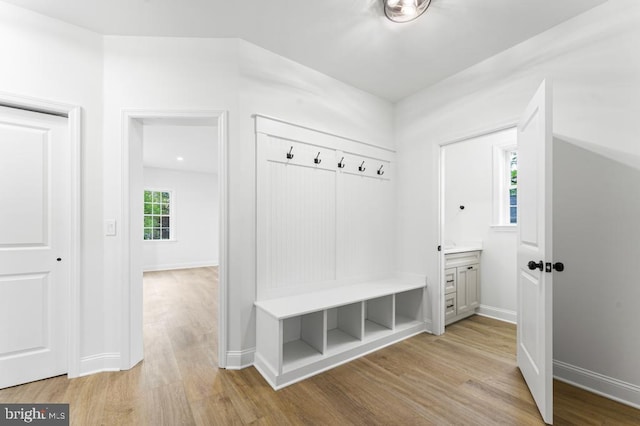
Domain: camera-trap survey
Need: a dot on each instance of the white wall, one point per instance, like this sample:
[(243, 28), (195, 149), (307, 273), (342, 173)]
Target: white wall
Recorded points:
[(468, 181), (195, 216), (179, 73), (46, 59), (154, 74), (595, 299), (595, 68), (593, 62)]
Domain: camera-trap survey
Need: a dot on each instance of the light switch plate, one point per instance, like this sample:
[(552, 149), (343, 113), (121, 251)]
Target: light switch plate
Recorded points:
[(110, 228)]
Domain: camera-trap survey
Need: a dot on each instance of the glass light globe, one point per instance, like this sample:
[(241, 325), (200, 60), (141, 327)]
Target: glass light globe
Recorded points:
[(405, 10)]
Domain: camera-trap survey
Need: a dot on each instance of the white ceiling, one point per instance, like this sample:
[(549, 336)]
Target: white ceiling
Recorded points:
[(350, 40), (196, 142)]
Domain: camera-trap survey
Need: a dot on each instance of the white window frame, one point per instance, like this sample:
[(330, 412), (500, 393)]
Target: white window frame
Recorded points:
[(509, 186), (172, 216), (502, 184)]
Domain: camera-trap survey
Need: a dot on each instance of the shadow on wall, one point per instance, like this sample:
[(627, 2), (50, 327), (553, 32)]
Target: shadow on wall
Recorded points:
[(596, 231)]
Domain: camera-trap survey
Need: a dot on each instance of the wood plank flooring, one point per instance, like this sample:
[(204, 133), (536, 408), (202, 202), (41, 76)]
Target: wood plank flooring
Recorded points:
[(465, 377)]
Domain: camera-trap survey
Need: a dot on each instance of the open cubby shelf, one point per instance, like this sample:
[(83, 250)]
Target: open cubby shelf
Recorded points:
[(298, 353), (303, 335)]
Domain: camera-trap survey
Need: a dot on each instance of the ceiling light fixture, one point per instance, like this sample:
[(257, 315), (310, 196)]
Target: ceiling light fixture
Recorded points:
[(404, 10)]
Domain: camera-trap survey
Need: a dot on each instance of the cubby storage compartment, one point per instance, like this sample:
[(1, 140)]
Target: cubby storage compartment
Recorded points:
[(378, 316), (303, 340), (302, 335), (409, 308), (344, 327)]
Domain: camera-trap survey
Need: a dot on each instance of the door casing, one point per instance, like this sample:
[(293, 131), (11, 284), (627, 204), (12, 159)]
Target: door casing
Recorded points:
[(438, 311), (131, 346)]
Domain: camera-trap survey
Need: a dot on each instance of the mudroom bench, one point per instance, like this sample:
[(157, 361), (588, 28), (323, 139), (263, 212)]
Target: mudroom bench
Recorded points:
[(302, 335)]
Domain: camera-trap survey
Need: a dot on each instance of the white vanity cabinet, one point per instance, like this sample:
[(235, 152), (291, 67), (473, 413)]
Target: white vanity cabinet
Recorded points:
[(462, 285)]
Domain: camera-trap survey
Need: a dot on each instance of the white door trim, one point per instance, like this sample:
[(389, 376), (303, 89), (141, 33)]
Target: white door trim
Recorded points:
[(131, 342), (73, 114), (438, 293)]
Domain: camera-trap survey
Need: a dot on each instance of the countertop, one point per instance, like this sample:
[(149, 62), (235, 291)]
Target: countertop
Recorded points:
[(462, 249)]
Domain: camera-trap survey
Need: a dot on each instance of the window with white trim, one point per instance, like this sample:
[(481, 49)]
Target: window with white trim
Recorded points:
[(505, 179), (512, 185), (158, 217)]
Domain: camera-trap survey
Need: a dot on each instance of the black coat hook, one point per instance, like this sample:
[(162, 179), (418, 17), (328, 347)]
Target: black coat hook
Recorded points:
[(289, 154), (361, 168), (380, 172), (341, 163), (317, 160)]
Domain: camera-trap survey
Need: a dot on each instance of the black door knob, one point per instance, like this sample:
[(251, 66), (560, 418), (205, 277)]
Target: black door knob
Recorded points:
[(59, 259), (533, 265), (558, 266)]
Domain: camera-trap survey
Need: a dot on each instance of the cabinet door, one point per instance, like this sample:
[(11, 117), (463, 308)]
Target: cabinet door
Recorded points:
[(449, 280), (473, 286), (467, 288)]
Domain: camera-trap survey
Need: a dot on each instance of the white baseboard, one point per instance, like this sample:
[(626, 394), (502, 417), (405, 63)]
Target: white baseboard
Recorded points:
[(428, 326), (99, 363), (237, 360), (184, 265), (497, 313), (623, 392)]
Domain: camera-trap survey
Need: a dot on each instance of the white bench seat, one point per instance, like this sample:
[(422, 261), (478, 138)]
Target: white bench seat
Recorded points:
[(302, 335)]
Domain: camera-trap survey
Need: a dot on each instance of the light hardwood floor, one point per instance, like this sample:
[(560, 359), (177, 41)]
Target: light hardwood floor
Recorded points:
[(465, 377)]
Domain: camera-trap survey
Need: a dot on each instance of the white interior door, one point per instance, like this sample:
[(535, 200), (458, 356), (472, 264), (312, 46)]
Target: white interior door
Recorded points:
[(535, 291), (35, 167)]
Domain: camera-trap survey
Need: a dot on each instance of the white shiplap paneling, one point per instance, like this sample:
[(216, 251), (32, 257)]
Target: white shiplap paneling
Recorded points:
[(320, 225), (302, 225)]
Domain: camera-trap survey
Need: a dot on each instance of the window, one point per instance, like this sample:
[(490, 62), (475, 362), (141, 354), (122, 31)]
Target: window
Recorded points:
[(158, 222), (512, 185), (505, 180)]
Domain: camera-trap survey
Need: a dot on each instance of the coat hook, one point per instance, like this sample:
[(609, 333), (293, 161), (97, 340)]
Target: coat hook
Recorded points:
[(361, 168), (289, 154), (380, 172), (317, 160), (341, 163)]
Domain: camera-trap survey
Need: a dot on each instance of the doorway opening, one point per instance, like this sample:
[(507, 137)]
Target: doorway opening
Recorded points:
[(175, 218), (478, 227)]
